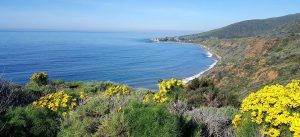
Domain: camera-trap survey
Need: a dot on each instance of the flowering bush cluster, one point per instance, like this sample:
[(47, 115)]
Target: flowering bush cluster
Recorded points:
[(117, 90), (273, 107), (60, 102), (40, 78), (165, 88)]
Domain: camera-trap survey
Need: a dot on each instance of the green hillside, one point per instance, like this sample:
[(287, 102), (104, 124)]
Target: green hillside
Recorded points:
[(250, 28), (254, 53)]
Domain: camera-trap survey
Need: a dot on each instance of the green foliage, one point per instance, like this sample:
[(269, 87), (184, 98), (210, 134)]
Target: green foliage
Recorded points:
[(250, 28), (151, 120), (247, 128), (204, 93), (74, 84), (95, 87), (113, 125), (58, 82), (99, 116), (40, 78), (38, 90), (212, 121), (197, 83), (194, 84), (285, 132), (190, 128), (29, 122), (85, 120)]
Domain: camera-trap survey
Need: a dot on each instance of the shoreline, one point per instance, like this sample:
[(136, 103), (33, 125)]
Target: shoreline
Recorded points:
[(210, 54)]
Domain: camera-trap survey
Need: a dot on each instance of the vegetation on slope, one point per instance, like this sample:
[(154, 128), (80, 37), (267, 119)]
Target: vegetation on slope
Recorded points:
[(249, 63), (107, 109), (254, 53), (251, 28)]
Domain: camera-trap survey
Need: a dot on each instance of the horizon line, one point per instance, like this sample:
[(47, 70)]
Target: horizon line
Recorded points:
[(103, 31)]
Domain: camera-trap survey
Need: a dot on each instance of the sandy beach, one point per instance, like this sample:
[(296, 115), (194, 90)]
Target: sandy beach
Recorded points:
[(210, 53)]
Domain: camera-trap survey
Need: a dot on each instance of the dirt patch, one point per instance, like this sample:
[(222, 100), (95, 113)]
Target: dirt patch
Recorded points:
[(262, 62), (264, 74), (241, 73), (257, 48), (257, 76), (272, 75)]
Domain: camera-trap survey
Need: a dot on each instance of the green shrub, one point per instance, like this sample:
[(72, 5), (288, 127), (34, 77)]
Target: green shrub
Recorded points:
[(204, 93), (74, 84), (29, 122), (100, 86), (247, 128), (213, 121), (40, 78), (94, 87), (38, 90), (113, 125), (190, 128), (86, 119), (58, 82), (89, 89), (151, 120)]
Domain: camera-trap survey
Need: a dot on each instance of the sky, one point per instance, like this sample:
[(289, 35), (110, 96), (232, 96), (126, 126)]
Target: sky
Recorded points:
[(136, 15)]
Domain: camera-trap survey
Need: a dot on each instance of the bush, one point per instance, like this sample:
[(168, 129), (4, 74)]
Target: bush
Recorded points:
[(40, 78), (274, 108), (113, 125), (74, 84), (117, 90), (94, 87), (58, 82), (214, 121), (38, 90), (11, 95), (169, 91), (86, 119), (248, 129), (204, 93), (59, 102), (197, 83), (151, 120), (29, 122), (6, 95)]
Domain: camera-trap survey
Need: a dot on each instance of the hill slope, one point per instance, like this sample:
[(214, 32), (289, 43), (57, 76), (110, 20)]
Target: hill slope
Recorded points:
[(250, 28), (249, 63), (254, 53)]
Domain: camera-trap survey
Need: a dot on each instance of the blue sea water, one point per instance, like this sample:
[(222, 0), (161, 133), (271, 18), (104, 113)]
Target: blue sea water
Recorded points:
[(127, 58)]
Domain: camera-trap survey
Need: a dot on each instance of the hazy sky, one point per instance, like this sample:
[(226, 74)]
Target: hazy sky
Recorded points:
[(136, 15)]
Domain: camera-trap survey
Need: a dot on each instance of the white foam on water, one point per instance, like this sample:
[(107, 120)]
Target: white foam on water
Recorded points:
[(200, 73)]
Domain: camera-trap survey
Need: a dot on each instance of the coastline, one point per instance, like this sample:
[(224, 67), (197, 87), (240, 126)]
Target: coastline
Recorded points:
[(210, 53)]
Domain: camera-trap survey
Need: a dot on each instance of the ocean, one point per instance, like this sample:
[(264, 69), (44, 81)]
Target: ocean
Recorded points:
[(125, 58)]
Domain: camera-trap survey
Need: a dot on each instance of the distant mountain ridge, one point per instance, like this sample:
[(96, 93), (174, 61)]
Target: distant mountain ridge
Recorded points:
[(250, 28)]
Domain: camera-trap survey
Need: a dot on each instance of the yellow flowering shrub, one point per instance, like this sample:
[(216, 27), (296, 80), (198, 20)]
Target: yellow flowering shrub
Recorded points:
[(40, 78), (165, 90), (117, 90), (273, 107), (147, 97), (236, 120), (60, 102), (82, 95)]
